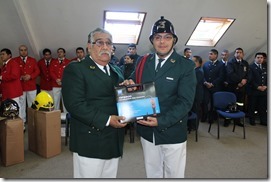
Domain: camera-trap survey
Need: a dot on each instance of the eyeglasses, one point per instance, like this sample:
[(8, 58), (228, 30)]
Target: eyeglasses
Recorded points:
[(159, 37), (101, 43)]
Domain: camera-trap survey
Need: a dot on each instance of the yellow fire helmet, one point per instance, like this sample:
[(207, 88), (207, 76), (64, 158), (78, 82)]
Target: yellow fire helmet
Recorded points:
[(43, 102)]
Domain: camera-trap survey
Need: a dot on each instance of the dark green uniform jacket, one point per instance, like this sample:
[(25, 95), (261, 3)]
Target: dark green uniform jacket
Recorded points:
[(89, 97), (175, 85)]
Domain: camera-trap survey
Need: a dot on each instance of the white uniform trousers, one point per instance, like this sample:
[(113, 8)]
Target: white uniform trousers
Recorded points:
[(26, 100), (164, 161), (17, 99), (57, 95), (84, 167)]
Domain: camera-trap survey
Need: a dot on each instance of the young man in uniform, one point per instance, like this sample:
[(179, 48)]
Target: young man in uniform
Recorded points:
[(164, 137)]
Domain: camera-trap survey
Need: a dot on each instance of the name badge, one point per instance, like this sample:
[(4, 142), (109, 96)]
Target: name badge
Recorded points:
[(169, 78)]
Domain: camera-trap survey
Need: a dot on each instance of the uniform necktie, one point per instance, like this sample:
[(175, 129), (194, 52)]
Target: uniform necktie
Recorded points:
[(106, 71), (159, 65), (260, 66), (60, 61), (24, 60), (47, 63)]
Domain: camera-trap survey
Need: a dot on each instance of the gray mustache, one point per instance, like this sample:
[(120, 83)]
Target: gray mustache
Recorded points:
[(105, 52)]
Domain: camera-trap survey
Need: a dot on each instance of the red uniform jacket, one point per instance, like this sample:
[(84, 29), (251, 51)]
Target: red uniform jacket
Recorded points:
[(56, 70), (11, 84), (31, 68), (45, 78)]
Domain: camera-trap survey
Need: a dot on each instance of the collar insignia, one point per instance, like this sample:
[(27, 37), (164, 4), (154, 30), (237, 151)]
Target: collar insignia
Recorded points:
[(245, 68)]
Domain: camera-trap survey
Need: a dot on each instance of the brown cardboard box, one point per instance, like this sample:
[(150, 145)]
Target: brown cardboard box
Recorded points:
[(11, 141), (32, 139), (44, 132)]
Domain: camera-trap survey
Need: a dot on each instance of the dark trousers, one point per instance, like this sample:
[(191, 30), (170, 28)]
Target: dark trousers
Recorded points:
[(193, 124), (240, 95), (257, 103), (208, 112), (196, 108)]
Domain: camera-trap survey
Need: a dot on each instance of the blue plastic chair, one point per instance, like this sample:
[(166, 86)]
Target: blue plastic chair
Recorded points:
[(221, 100)]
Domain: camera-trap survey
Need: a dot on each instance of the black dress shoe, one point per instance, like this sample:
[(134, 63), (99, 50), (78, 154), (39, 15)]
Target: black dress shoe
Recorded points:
[(264, 124)]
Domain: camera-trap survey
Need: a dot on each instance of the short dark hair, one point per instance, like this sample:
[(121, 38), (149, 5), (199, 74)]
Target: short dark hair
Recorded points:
[(61, 49), (46, 50), (214, 51), (198, 59), (186, 49), (132, 56), (8, 51), (132, 45), (239, 48), (260, 53), (79, 48)]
